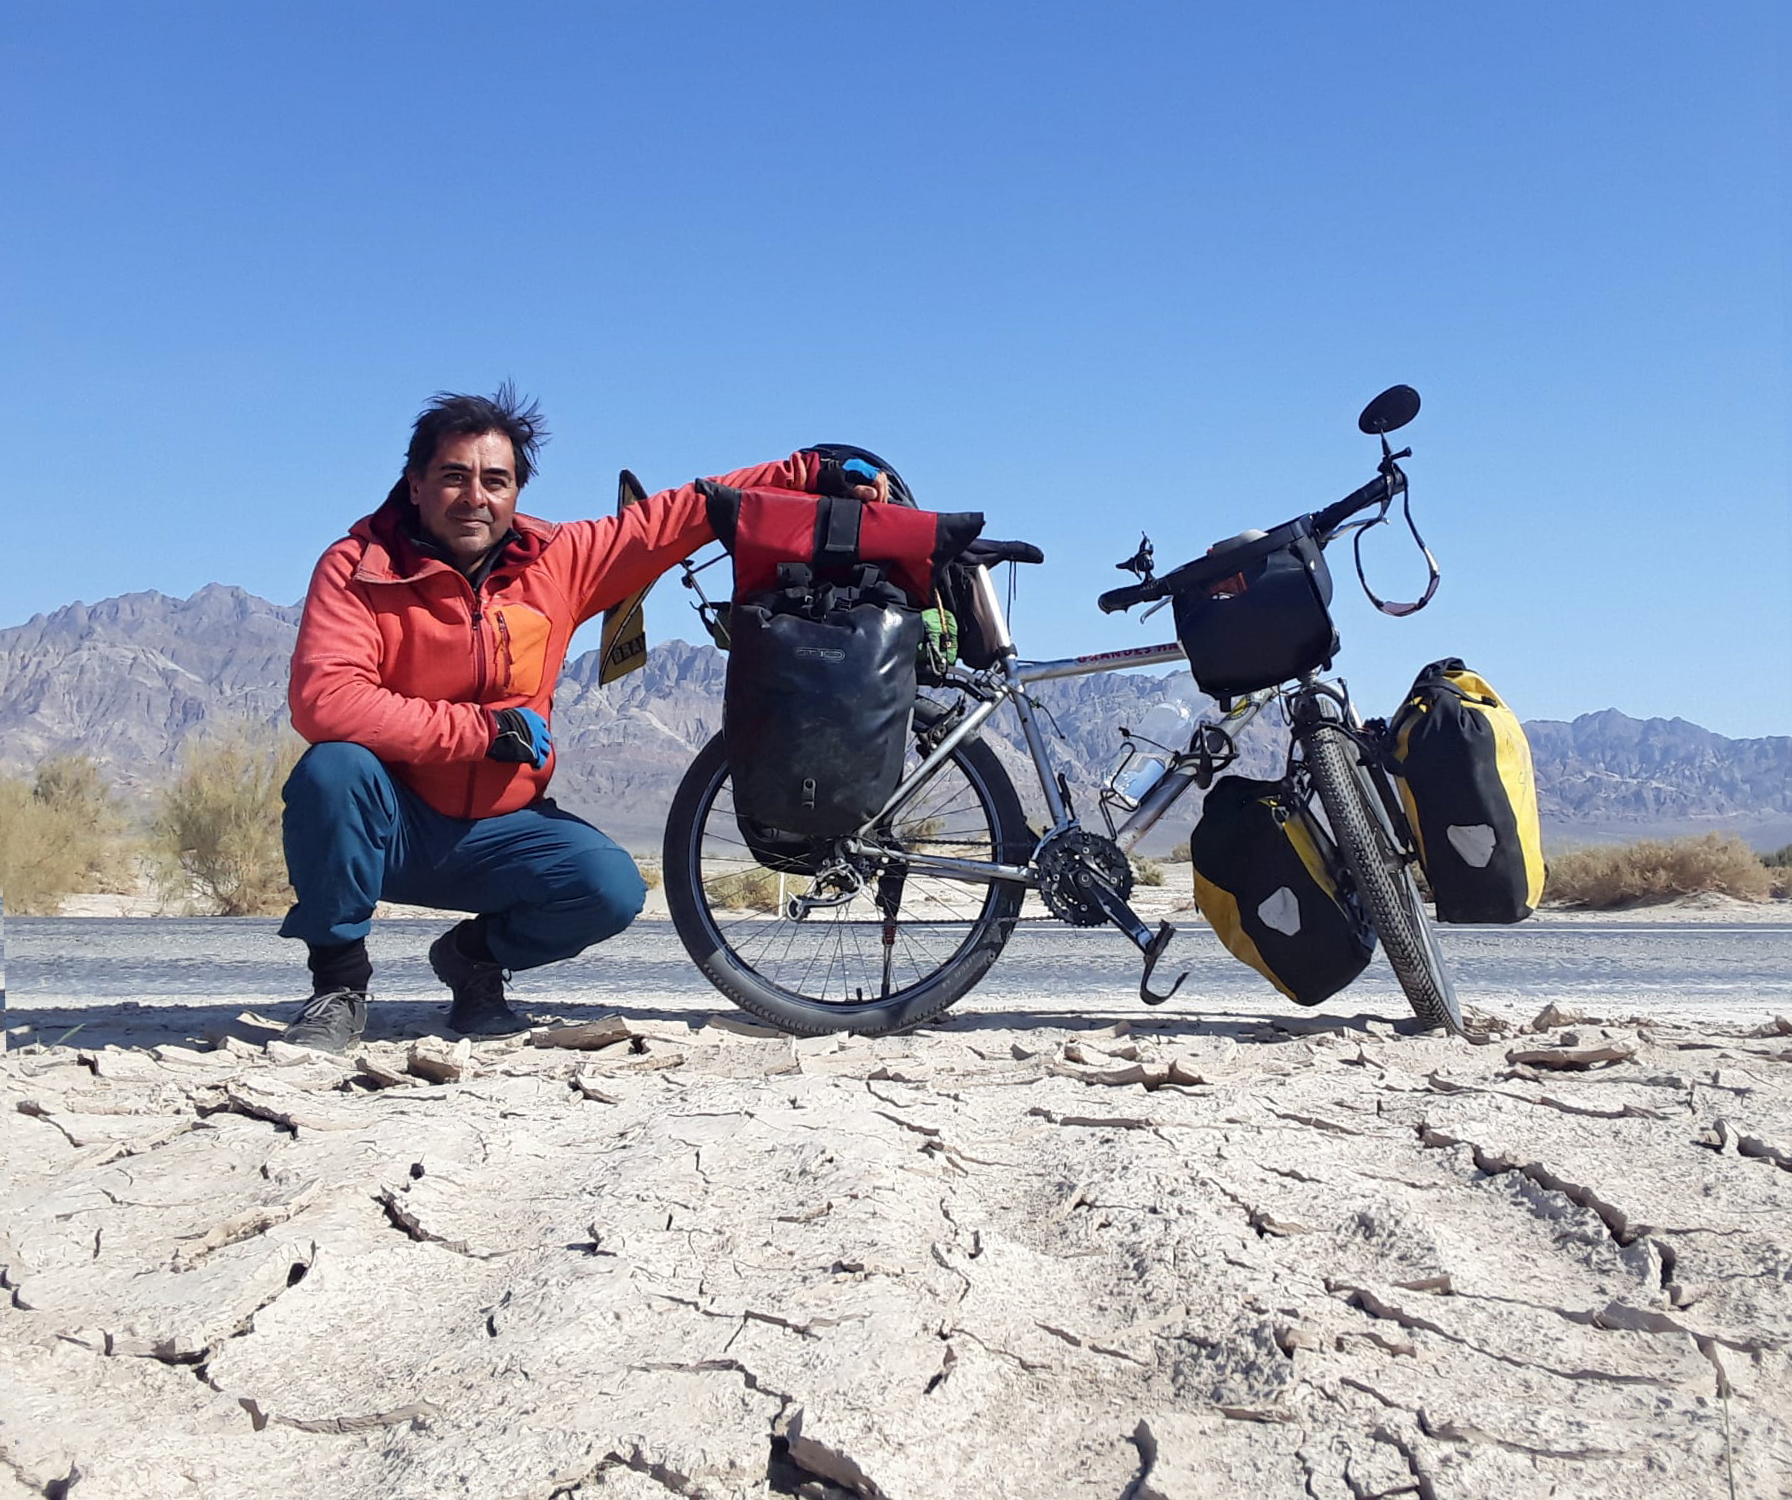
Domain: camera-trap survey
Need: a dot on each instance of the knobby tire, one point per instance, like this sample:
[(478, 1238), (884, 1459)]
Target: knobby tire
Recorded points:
[(1384, 881)]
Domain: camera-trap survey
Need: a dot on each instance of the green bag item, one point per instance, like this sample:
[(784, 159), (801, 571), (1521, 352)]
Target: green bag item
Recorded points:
[(1463, 766), (939, 643), (1268, 879)]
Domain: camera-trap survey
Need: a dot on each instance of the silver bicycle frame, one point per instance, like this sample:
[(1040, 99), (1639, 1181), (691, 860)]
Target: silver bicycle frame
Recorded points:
[(1006, 682)]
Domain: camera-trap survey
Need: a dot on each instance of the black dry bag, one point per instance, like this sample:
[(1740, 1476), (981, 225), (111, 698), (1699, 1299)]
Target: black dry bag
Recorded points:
[(824, 632), (1269, 881), (816, 709), (1463, 767)]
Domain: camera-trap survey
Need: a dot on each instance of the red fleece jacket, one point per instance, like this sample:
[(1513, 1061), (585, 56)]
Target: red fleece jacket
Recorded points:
[(397, 652)]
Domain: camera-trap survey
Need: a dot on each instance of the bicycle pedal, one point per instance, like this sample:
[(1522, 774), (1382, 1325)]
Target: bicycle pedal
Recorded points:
[(1154, 950)]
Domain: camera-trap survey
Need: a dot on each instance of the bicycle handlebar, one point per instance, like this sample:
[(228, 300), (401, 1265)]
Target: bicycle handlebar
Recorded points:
[(1325, 523)]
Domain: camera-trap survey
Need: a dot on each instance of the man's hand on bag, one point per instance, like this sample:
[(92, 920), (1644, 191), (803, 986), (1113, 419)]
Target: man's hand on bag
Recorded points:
[(854, 478), (521, 736)]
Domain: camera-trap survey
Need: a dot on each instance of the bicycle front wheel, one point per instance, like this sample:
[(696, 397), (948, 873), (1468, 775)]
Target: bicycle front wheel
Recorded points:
[(899, 952), (1383, 877)]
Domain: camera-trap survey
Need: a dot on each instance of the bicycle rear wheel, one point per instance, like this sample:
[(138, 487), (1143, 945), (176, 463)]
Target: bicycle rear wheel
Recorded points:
[(899, 952), (1382, 874)]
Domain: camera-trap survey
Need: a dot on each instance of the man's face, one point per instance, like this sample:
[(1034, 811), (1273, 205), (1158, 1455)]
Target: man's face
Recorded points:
[(467, 495)]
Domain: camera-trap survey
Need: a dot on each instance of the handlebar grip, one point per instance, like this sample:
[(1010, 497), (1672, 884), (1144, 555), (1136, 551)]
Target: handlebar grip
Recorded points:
[(1125, 598), (1326, 521)]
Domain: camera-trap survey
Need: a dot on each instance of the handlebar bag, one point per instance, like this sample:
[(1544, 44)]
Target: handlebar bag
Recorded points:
[(1252, 614), (824, 630), (1270, 882), (1463, 766)]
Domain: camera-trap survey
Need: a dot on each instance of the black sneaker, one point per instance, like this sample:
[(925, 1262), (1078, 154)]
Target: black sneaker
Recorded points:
[(478, 1008), (330, 1022)]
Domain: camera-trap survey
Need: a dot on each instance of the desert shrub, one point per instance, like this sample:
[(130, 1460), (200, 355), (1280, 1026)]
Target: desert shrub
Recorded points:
[(38, 864), (1658, 870), (650, 874), (60, 833), (1779, 871), (217, 829), (752, 890), (1147, 872), (75, 789), (1180, 854)]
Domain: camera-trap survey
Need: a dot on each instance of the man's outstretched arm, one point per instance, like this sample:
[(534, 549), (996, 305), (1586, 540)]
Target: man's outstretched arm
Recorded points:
[(617, 555)]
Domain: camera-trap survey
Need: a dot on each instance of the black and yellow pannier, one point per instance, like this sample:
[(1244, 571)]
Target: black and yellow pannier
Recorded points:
[(1463, 766), (1268, 880)]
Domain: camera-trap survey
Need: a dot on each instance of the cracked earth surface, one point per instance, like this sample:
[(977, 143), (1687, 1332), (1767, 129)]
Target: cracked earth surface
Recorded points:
[(1164, 1258)]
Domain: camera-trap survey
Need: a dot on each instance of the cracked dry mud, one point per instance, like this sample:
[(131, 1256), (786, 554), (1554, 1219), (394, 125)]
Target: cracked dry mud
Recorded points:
[(1181, 1260)]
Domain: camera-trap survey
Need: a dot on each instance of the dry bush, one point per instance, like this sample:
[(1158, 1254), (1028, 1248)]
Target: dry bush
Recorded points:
[(1180, 854), (1779, 871), (59, 833), (752, 890), (650, 874), (218, 826), (1147, 872), (1658, 870), (75, 788), (38, 864)]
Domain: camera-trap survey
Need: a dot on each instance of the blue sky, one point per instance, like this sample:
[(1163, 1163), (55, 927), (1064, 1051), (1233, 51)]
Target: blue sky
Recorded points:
[(1092, 269)]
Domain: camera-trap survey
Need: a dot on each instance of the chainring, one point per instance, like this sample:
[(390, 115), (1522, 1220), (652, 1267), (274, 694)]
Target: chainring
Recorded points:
[(1077, 852)]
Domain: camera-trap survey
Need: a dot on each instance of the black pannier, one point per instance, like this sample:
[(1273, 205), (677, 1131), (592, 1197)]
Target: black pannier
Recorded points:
[(1253, 612), (1269, 880), (1463, 767), (820, 687), (822, 662)]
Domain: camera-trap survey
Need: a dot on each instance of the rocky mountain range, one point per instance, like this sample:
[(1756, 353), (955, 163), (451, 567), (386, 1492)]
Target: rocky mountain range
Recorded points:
[(131, 680)]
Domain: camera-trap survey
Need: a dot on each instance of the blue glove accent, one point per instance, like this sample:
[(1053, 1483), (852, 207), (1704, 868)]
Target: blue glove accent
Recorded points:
[(860, 469), (523, 735)]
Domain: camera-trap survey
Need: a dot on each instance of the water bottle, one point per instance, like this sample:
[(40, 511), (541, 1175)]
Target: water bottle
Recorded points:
[(1162, 733)]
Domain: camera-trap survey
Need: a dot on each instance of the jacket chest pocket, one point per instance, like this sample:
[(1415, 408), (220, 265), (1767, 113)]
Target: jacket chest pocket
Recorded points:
[(522, 641)]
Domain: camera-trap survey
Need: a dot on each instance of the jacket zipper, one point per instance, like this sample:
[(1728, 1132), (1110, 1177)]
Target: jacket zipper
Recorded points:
[(478, 692)]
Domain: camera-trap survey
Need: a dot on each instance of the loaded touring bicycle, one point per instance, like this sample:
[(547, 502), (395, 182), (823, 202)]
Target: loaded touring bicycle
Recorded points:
[(884, 924)]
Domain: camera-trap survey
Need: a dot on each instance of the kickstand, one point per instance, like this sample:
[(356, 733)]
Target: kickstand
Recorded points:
[(1152, 945)]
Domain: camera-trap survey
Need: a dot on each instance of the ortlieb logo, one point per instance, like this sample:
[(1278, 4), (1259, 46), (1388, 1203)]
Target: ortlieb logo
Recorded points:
[(820, 653)]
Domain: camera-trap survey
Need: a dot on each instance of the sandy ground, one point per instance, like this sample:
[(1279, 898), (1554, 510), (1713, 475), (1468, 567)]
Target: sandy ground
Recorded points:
[(1058, 1245)]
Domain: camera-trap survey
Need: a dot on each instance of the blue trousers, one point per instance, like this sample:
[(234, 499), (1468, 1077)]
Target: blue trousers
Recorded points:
[(549, 884)]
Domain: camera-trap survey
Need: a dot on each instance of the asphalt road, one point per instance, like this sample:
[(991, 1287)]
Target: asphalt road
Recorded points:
[(135, 976)]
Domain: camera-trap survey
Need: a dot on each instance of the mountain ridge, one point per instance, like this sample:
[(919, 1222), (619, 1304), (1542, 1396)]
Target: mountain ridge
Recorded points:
[(129, 680)]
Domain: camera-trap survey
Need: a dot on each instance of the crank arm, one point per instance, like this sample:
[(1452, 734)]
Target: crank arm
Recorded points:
[(1154, 950), (1151, 944)]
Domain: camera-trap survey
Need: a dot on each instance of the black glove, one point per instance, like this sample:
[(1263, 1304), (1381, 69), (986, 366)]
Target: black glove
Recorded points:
[(842, 476), (520, 736)]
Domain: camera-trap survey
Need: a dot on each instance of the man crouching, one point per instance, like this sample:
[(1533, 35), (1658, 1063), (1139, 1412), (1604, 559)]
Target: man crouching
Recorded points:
[(423, 678)]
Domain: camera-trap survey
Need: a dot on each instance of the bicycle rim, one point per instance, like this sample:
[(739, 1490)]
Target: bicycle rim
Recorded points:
[(1383, 879), (847, 967)]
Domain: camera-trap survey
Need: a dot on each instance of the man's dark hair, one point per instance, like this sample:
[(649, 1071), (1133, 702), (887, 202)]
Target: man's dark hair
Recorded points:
[(452, 415)]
